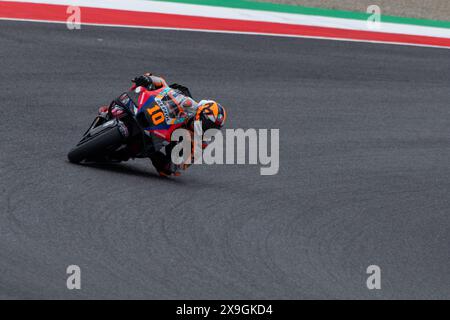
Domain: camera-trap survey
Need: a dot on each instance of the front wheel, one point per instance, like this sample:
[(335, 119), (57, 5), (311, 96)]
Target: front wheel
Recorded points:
[(99, 145)]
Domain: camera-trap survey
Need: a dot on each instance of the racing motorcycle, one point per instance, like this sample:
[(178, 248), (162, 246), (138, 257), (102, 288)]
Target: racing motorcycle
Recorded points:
[(138, 123)]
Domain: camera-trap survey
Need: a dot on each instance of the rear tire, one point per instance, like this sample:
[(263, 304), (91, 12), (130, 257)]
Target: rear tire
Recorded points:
[(98, 146)]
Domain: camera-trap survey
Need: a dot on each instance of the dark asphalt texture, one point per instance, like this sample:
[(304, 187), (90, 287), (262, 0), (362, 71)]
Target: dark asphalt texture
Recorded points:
[(364, 170)]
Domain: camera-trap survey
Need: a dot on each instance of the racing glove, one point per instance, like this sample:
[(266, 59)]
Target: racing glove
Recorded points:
[(144, 80)]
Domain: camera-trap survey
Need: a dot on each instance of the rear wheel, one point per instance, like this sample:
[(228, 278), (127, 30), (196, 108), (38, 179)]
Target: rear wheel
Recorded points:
[(97, 147)]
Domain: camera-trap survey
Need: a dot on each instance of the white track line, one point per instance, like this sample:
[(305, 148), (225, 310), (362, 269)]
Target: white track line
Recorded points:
[(235, 32)]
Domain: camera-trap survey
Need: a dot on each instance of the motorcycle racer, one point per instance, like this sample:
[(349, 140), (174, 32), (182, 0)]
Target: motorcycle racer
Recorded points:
[(211, 114)]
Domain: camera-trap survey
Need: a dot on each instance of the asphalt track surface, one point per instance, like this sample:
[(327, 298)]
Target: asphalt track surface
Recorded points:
[(364, 170)]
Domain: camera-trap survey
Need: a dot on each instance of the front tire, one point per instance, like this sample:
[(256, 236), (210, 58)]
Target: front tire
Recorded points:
[(98, 146)]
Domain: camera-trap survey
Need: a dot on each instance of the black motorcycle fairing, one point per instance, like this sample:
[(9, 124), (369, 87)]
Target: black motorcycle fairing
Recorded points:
[(182, 89)]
